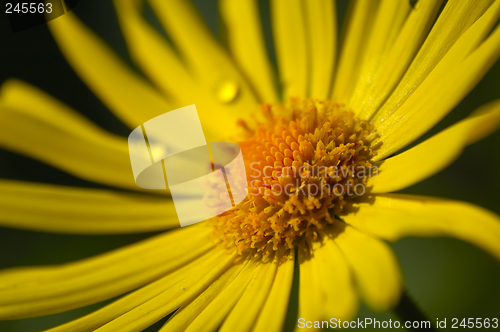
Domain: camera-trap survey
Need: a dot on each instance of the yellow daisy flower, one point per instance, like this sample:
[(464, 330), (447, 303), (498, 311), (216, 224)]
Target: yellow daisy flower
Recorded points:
[(402, 66)]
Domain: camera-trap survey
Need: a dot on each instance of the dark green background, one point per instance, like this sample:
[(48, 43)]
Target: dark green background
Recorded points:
[(447, 277)]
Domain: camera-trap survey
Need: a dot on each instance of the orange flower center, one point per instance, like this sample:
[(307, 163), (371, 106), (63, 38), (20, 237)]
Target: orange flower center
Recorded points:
[(303, 164)]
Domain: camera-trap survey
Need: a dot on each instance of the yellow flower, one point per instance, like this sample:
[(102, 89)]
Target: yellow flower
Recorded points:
[(397, 74)]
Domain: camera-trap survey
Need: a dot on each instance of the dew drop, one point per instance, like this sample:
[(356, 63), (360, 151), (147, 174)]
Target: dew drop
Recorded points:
[(226, 90)]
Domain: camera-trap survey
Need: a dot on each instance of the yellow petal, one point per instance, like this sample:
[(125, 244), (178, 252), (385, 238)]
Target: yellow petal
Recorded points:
[(336, 282), (131, 98), (245, 312), (380, 81), (165, 68), (289, 32), (216, 311), (34, 291), (231, 96), (62, 209), (185, 315), (390, 17), (358, 22), (417, 116), (326, 287), (374, 265), (177, 288), (34, 124), (245, 39), (153, 54), (393, 216), (455, 19), (425, 103), (321, 18), (273, 313), (311, 299), (436, 153)]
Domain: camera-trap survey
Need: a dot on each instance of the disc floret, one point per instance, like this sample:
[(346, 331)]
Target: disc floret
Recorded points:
[(304, 162)]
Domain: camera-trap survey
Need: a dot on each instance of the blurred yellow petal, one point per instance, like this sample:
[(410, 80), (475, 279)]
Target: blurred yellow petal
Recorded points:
[(165, 68), (455, 19), (374, 265), (326, 287), (427, 105), (436, 153), (341, 298), (231, 96), (311, 299), (321, 18), (216, 311), (185, 315), (61, 209), (393, 216), (34, 124), (358, 22), (34, 291), (273, 313), (245, 38), (178, 288), (164, 303), (132, 99), (289, 32), (246, 311), (153, 54)]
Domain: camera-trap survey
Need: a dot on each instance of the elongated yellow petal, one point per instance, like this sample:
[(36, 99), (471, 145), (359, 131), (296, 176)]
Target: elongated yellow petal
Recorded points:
[(28, 292), (216, 311), (273, 313), (245, 38), (393, 216), (456, 18), (245, 312), (34, 124), (165, 68), (179, 287), (311, 298), (158, 307), (428, 104), (62, 209), (390, 17), (337, 284), (211, 65), (376, 270), (326, 287), (153, 54), (436, 153), (131, 98), (405, 47), (321, 19), (185, 315), (357, 26), (290, 40)]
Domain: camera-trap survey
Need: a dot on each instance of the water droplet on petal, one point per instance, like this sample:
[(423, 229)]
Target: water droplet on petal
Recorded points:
[(226, 90)]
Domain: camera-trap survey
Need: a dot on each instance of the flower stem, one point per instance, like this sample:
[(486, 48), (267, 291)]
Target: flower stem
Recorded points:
[(408, 311)]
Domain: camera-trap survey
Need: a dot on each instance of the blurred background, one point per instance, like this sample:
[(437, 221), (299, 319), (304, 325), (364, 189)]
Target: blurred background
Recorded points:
[(448, 278)]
